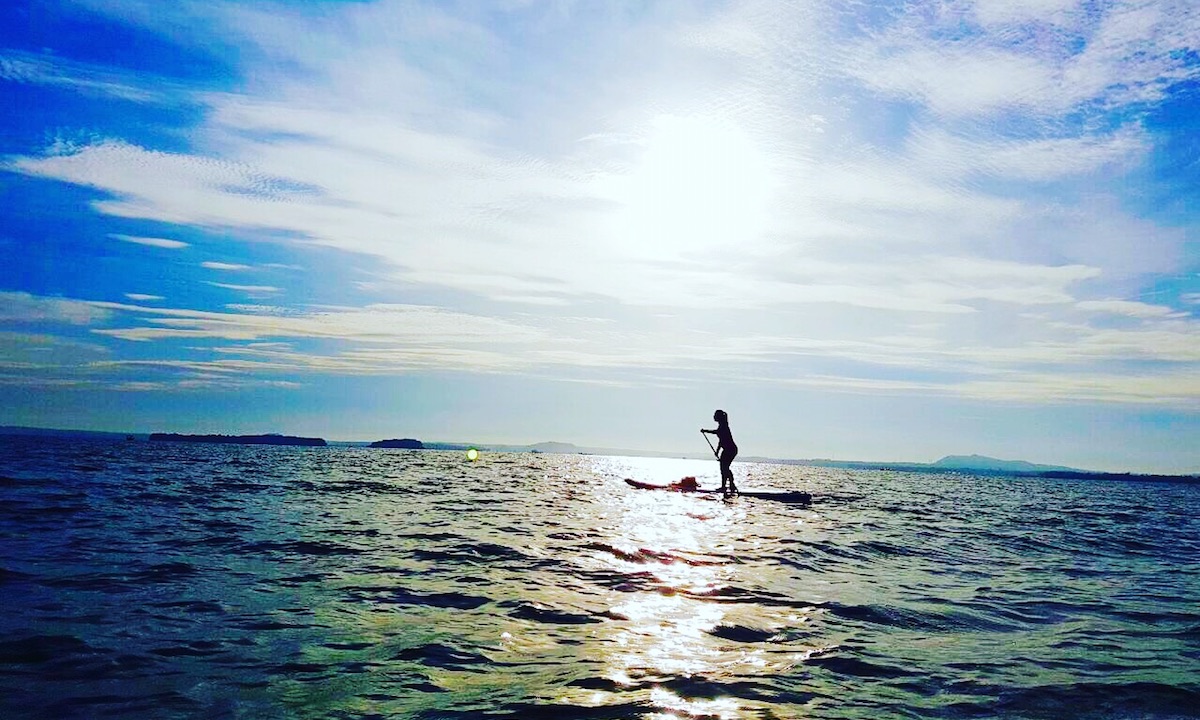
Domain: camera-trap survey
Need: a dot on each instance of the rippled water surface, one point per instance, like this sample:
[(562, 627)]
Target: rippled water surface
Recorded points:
[(204, 581)]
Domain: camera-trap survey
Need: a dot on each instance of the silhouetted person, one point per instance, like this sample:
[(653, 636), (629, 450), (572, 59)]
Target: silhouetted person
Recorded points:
[(726, 450)]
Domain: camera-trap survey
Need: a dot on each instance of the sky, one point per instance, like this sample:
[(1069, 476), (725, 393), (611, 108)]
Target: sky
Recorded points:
[(872, 231)]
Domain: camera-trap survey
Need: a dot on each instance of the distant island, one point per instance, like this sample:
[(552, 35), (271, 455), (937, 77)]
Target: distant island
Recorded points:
[(268, 439), (402, 444)]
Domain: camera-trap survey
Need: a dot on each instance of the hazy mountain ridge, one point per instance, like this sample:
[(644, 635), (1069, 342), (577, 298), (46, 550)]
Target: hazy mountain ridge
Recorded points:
[(983, 462)]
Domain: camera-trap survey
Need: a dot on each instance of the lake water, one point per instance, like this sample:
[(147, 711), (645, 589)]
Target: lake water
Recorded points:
[(161, 580)]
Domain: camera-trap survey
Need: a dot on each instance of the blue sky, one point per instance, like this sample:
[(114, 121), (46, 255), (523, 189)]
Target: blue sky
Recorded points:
[(867, 231)]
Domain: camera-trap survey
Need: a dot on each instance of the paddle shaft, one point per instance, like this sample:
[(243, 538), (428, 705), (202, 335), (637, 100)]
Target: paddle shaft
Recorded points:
[(710, 445)]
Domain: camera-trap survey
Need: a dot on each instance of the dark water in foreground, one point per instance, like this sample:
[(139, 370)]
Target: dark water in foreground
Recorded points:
[(201, 581)]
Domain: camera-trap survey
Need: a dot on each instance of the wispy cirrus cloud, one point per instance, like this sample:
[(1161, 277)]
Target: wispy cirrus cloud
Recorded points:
[(157, 242), (27, 68), (254, 290), (373, 323), (1044, 59), (23, 307), (400, 339)]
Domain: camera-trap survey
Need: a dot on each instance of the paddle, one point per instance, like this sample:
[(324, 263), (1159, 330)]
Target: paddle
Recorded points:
[(710, 445)]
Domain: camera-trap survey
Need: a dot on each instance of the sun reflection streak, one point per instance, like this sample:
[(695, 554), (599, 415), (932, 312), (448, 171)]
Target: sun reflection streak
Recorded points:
[(723, 708), (677, 551), (665, 637)]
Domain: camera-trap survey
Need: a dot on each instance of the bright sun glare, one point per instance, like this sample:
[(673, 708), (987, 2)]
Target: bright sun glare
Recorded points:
[(700, 185)]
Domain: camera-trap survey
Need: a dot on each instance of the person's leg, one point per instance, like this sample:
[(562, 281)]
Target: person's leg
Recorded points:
[(727, 470)]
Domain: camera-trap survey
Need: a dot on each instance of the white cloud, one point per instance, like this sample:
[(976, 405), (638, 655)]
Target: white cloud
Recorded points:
[(32, 69), (1129, 308), (232, 267), (251, 289), (371, 324), (142, 297), (1118, 54), (22, 307), (1002, 12), (1178, 388), (1040, 160), (29, 351), (960, 80), (152, 241)]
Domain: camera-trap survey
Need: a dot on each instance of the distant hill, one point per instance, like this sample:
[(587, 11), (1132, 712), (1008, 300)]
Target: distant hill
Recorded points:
[(50, 432), (542, 447), (268, 439), (556, 447), (402, 444), (982, 462)]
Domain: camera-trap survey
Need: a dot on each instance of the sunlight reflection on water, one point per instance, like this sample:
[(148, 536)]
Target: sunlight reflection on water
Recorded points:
[(683, 542)]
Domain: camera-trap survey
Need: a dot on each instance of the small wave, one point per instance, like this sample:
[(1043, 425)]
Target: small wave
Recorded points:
[(41, 648), (192, 606), (347, 646), (646, 555), (1035, 612), (544, 614), (912, 619), (7, 576), (297, 580), (724, 594), (400, 596), (239, 486), (432, 537), (1108, 700), (254, 624), (120, 706), (856, 667), (701, 687), (879, 549), (478, 553), (443, 656), (546, 710), (627, 582), (297, 547), (165, 572), (196, 648), (743, 634), (124, 582)]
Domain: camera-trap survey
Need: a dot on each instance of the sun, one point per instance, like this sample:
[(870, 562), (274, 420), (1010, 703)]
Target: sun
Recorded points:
[(701, 184)]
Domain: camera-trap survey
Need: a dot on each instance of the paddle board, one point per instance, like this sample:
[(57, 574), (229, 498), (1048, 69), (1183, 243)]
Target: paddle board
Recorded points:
[(801, 498)]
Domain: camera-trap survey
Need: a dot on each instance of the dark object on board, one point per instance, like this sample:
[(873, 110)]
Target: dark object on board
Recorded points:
[(796, 497)]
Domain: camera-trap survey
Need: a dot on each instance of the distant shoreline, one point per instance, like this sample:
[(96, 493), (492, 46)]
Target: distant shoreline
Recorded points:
[(973, 464), (268, 439)]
